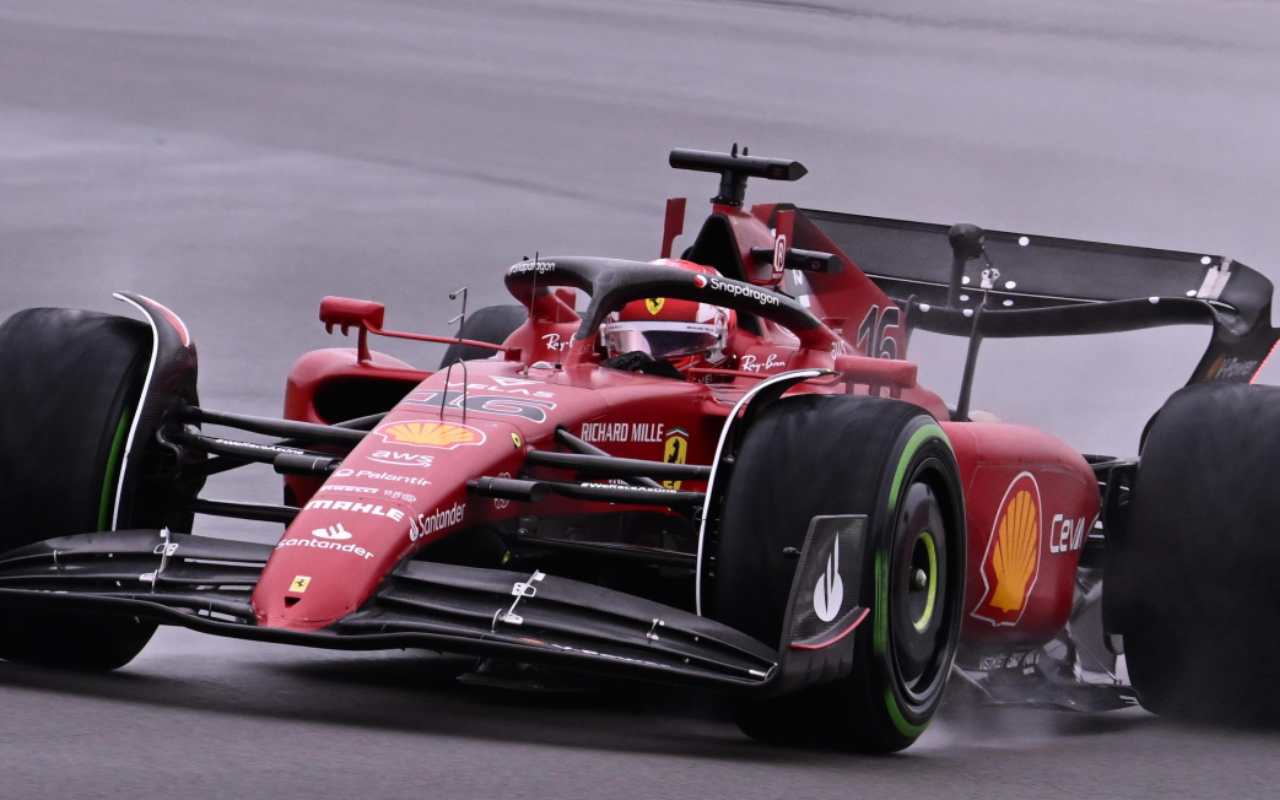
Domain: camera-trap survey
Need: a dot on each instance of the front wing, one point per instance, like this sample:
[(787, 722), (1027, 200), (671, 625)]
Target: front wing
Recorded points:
[(204, 584)]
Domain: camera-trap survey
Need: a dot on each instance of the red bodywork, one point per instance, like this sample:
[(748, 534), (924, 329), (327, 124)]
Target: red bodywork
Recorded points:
[(1029, 498)]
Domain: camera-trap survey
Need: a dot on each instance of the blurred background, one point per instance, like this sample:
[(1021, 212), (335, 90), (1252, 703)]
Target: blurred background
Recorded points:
[(238, 160)]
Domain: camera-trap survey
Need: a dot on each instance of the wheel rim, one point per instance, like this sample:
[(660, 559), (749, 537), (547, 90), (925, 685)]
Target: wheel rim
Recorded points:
[(920, 608), (923, 589)]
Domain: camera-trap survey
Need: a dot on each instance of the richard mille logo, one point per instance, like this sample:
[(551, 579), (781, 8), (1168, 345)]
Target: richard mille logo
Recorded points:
[(828, 593)]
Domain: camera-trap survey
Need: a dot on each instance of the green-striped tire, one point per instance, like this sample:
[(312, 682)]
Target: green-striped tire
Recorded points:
[(72, 384), (818, 455)]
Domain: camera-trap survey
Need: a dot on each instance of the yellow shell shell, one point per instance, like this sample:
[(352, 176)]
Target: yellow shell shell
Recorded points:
[(1017, 552), (429, 433)]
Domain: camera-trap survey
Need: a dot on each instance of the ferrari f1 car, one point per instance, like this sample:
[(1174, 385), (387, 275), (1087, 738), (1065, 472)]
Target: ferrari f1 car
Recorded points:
[(717, 470)]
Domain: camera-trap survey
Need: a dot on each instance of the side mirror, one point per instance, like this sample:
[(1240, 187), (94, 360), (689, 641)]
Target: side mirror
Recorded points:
[(347, 312)]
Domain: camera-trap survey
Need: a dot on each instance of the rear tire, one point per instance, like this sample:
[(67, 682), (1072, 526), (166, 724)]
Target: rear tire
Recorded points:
[(489, 324), (819, 455), (1192, 581), (73, 381)]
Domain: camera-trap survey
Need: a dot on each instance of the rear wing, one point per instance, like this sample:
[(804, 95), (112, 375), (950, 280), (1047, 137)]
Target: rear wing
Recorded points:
[(1050, 286)]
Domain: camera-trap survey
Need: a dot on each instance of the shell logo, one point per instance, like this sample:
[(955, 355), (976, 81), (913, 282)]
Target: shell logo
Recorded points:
[(423, 433), (1012, 561)]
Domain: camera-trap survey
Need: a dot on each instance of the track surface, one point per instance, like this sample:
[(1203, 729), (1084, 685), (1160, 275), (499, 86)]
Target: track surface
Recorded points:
[(238, 160)]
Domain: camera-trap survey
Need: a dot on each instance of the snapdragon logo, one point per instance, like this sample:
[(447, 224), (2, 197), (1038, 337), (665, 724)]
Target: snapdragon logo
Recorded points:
[(743, 290), (536, 267), (440, 519)]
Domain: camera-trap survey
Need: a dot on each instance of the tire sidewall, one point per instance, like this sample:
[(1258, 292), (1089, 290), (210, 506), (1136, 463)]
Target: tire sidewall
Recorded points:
[(491, 324), (75, 379), (75, 382), (815, 455), (1189, 579), (922, 452)]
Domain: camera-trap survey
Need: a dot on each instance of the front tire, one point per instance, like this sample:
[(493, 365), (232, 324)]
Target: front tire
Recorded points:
[(821, 455), (74, 379), (491, 324)]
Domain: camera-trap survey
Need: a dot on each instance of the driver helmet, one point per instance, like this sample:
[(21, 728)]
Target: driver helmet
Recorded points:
[(684, 333)]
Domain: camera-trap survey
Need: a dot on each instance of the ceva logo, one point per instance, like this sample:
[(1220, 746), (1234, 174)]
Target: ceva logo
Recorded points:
[(828, 593)]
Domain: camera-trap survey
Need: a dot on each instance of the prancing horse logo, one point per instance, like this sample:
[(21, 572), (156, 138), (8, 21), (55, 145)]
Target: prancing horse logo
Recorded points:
[(655, 304)]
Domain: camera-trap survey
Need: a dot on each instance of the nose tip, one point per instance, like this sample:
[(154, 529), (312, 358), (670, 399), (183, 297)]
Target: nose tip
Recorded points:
[(293, 610)]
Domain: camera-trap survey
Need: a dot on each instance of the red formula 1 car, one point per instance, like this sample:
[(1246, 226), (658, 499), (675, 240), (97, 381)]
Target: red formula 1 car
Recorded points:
[(717, 469)]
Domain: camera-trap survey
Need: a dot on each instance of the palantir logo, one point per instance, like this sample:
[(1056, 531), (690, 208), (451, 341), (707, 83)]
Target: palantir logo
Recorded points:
[(335, 533), (828, 594)]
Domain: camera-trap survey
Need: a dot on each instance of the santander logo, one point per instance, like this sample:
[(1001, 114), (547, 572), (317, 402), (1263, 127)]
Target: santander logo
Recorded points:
[(828, 593), (333, 533)]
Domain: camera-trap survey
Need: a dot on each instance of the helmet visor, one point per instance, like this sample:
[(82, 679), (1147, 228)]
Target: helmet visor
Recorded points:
[(659, 339)]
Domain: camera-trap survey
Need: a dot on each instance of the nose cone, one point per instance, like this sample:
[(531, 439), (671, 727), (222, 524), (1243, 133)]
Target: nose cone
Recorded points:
[(401, 489), (329, 562)]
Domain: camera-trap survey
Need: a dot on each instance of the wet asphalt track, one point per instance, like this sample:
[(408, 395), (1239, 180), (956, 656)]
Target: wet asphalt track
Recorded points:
[(239, 160)]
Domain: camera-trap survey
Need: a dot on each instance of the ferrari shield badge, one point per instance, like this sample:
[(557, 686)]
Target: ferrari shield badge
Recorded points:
[(675, 450)]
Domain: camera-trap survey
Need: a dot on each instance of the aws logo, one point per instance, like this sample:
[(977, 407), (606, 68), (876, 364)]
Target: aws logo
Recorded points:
[(421, 433), (1012, 561)]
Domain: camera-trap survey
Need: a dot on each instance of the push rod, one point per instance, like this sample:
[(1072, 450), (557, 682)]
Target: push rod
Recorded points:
[(258, 512), (611, 467), (586, 448), (308, 432), (533, 491)]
